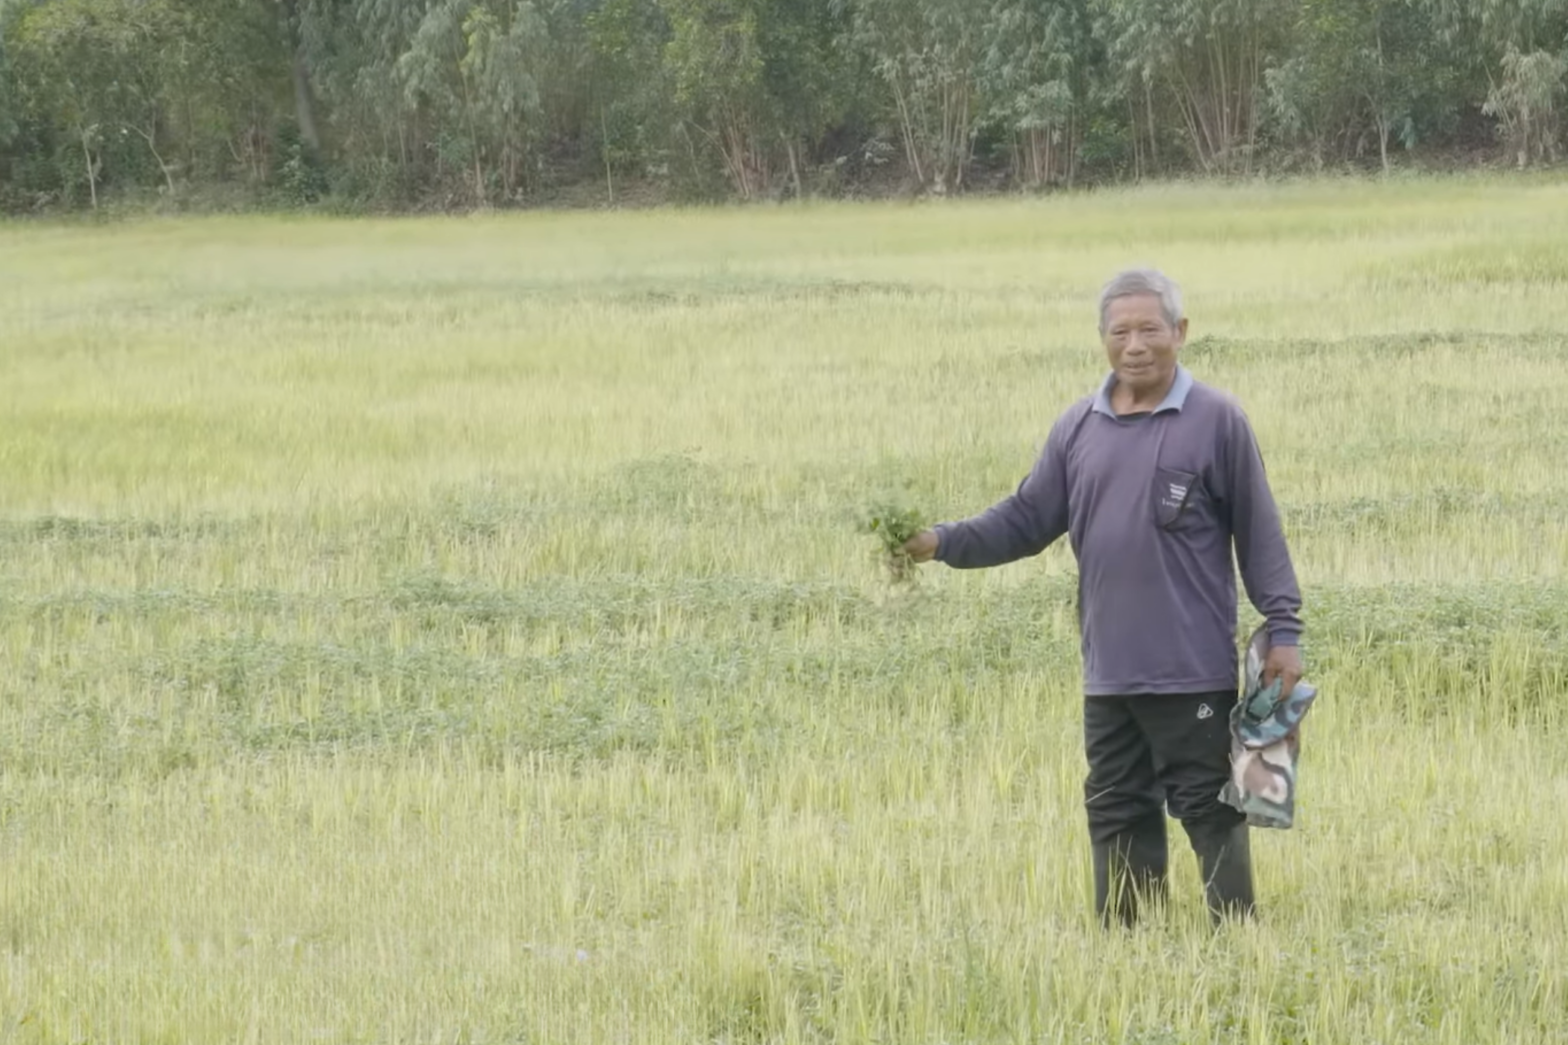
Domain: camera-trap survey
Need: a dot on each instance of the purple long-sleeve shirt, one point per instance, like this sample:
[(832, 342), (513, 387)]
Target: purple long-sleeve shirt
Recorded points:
[(1152, 506)]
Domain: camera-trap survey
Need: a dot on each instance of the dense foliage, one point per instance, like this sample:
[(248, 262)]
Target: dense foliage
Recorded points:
[(456, 103)]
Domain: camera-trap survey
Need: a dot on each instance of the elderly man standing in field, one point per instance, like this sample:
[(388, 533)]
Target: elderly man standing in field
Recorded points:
[(1154, 478)]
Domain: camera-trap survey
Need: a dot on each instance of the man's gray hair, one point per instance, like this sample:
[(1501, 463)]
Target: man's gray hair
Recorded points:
[(1143, 281)]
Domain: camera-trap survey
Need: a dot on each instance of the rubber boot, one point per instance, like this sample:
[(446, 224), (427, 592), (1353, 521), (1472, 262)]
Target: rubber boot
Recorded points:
[(1130, 873), (1225, 862)]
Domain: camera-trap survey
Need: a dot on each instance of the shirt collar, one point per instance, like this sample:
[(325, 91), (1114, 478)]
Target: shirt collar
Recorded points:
[(1175, 399)]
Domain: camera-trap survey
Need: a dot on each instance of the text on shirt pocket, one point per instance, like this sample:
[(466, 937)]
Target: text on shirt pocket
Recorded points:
[(1174, 491)]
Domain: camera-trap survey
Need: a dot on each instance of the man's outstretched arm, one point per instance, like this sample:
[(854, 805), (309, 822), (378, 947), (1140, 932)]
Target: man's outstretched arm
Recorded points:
[(1017, 527)]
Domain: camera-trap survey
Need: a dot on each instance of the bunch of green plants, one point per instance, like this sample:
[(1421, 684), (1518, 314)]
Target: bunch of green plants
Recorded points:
[(893, 524)]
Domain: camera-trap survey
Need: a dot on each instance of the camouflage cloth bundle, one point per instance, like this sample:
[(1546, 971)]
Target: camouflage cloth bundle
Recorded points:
[(1265, 743)]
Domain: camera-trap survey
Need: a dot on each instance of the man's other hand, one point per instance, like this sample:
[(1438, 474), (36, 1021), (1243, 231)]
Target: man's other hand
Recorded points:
[(1283, 662), (922, 546)]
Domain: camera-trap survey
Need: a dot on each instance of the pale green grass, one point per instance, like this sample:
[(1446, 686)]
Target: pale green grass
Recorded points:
[(457, 630)]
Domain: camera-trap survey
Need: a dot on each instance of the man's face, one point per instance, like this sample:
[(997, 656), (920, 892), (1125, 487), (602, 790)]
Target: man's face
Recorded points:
[(1141, 345)]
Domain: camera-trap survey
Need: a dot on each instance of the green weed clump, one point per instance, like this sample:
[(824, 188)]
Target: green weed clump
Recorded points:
[(893, 523)]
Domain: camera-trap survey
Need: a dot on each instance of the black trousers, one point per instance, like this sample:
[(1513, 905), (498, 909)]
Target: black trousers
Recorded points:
[(1150, 753)]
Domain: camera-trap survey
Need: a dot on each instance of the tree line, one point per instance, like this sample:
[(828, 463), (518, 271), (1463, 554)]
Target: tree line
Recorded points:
[(461, 103)]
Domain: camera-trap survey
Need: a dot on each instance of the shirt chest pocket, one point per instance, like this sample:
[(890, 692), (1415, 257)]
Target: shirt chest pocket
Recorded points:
[(1180, 500)]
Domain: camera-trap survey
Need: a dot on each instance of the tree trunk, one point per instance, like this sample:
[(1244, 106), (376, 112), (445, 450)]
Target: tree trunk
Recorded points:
[(304, 100), (1154, 141), (906, 125), (481, 197), (92, 171), (1376, 92), (305, 107), (1252, 77), (691, 151), (794, 165), (1073, 132), (190, 133), (256, 146), (149, 136), (733, 147), (604, 149), (1137, 139)]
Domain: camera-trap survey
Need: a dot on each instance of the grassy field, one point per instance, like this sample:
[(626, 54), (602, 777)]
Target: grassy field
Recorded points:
[(457, 631)]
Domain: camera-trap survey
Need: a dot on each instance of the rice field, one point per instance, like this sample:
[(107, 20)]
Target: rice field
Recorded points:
[(457, 630)]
